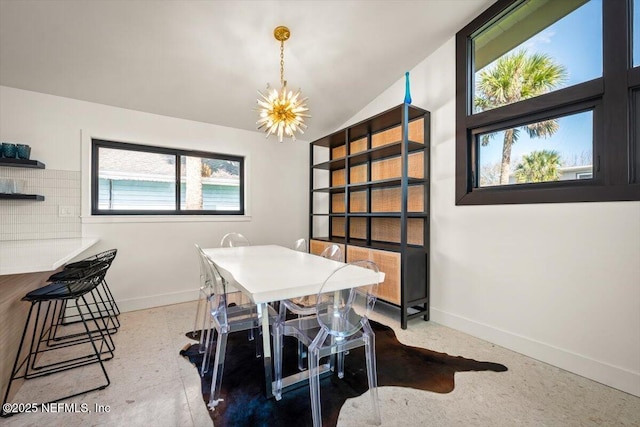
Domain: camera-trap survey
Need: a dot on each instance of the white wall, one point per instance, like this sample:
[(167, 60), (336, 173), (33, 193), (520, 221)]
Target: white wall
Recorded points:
[(156, 262), (558, 282)]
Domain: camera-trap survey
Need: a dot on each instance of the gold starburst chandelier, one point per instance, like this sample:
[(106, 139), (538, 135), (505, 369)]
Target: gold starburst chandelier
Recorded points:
[(282, 113)]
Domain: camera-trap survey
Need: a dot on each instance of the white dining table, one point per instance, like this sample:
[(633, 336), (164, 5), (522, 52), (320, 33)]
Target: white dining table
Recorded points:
[(270, 273)]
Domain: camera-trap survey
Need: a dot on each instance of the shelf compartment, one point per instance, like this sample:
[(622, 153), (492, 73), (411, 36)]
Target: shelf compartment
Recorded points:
[(357, 228), (388, 215), (388, 230), (385, 120), (21, 163), (14, 196), (358, 174), (358, 201), (389, 199), (390, 150), (331, 164), (330, 190), (358, 146), (333, 140), (339, 152), (338, 178), (389, 136), (337, 226), (337, 203), (393, 182), (392, 168)]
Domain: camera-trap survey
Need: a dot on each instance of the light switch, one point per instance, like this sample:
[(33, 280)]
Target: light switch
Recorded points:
[(65, 211)]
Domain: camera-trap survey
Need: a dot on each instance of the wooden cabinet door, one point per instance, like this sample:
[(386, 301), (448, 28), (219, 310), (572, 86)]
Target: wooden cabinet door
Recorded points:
[(317, 246), (388, 263)]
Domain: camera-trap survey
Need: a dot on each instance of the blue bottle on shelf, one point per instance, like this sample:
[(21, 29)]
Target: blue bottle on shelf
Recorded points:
[(407, 91)]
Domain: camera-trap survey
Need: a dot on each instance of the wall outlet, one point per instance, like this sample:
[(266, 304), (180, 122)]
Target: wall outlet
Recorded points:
[(65, 211)]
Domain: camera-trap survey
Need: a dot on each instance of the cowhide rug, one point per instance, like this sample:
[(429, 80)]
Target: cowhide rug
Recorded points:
[(244, 402)]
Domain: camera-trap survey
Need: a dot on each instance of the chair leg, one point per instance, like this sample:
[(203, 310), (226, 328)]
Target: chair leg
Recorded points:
[(313, 357), (277, 360), (301, 352), (370, 352), (218, 370), (340, 364), (206, 338), (206, 320), (195, 322), (16, 368)]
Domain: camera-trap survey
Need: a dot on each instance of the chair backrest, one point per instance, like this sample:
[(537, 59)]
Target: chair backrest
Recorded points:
[(333, 252), (300, 245), (212, 279), (343, 312), (102, 257), (232, 240), (91, 277)]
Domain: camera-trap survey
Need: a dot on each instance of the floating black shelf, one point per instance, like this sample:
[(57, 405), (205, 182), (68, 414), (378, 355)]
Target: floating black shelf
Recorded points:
[(394, 182), (21, 163), (383, 152), (14, 196), (332, 190)]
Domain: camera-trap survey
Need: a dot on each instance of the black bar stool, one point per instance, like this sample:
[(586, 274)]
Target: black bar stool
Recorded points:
[(102, 294), (46, 304)]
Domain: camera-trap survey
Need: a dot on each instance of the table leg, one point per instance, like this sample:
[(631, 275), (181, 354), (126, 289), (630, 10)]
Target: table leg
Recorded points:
[(263, 315)]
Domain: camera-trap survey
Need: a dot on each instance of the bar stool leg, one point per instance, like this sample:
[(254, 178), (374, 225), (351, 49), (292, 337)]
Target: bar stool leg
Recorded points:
[(16, 368)]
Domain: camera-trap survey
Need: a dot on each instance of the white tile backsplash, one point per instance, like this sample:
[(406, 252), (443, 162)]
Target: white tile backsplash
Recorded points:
[(28, 219)]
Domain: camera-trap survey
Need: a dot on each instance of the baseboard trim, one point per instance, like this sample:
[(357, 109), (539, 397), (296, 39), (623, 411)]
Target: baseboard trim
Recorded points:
[(141, 303), (612, 376)]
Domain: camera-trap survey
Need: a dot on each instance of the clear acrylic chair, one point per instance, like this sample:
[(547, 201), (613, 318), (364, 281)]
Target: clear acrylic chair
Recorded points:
[(232, 240), (229, 240), (203, 309), (225, 319), (300, 245), (305, 306), (340, 324)]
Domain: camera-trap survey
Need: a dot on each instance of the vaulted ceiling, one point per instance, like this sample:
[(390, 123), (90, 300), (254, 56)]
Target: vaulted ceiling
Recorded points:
[(205, 60)]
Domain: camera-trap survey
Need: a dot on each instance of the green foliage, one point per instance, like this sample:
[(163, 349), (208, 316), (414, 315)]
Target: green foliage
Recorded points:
[(220, 167), (513, 78), (539, 166)]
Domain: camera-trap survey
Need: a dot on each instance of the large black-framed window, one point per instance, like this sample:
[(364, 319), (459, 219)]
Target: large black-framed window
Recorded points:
[(606, 102), (134, 179)]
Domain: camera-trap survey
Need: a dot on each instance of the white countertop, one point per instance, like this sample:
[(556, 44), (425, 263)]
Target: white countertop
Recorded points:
[(30, 256)]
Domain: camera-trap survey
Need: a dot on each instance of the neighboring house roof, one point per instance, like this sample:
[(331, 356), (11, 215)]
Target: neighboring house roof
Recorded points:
[(138, 165)]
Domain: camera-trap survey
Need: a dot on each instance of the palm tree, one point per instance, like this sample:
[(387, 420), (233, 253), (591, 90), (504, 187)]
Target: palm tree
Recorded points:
[(513, 78), (539, 166)]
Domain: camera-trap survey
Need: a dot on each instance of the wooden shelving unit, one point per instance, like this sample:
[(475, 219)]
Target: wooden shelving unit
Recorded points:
[(369, 192)]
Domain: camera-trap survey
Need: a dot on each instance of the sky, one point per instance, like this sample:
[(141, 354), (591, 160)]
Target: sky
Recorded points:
[(576, 42)]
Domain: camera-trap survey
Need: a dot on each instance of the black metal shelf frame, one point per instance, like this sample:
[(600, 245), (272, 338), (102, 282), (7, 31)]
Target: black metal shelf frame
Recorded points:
[(414, 264)]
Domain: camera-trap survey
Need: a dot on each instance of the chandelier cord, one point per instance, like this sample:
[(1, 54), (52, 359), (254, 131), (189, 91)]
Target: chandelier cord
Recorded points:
[(282, 63)]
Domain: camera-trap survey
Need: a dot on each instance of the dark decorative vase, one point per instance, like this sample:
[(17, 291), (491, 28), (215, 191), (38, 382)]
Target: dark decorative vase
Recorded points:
[(24, 151), (407, 91), (9, 150)]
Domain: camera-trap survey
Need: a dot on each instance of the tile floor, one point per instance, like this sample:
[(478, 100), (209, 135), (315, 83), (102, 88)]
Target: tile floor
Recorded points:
[(153, 386)]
